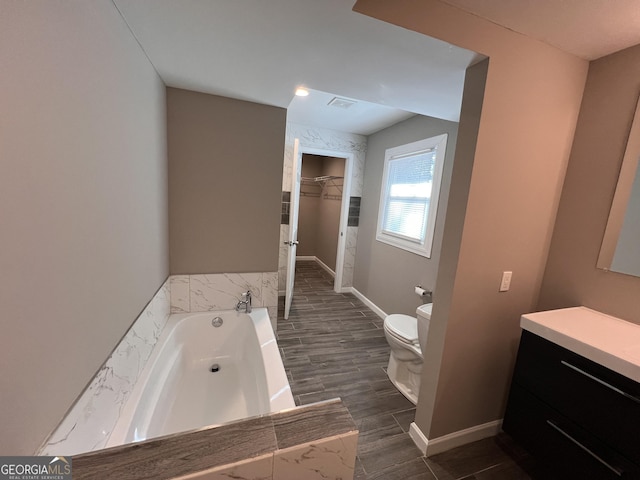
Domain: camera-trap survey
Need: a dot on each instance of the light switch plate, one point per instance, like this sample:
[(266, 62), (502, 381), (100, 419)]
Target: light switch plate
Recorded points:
[(506, 281)]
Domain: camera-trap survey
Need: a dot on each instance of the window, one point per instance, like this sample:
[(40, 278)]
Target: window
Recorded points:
[(409, 196)]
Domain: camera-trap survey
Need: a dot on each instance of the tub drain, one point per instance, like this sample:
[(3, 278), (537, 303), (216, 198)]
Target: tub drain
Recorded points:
[(217, 322), (215, 368)]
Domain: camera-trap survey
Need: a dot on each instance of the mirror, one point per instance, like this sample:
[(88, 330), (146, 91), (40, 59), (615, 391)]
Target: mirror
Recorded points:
[(620, 251)]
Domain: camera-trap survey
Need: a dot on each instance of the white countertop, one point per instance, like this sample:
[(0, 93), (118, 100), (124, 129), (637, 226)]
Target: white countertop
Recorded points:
[(604, 339)]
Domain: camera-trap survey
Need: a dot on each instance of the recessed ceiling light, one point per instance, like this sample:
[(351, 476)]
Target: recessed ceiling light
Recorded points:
[(302, 92)]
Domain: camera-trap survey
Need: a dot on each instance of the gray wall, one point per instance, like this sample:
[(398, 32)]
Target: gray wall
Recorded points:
[(385, 274), (309, 204), (531, 98), (329, 215), (571, 277), (83, 203), (225, 176)]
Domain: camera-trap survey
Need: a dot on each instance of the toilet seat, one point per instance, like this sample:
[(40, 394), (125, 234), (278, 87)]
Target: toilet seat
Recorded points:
[(402, 327)]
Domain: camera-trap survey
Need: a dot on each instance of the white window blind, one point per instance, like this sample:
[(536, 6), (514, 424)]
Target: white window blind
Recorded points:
[(409, 195), (410, 182)]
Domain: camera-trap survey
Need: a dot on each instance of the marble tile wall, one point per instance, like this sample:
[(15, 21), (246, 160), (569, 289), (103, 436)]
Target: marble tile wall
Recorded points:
[(221, 291), (324, 139), (282, 259), (349, 256), (88, 425)]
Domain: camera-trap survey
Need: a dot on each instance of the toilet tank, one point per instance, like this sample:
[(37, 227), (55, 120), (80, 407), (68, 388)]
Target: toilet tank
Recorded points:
[(423, 312)]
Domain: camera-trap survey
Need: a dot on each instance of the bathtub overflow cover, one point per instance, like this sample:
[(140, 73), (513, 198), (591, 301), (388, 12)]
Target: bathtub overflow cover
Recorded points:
[(216, 322), (215, 368)]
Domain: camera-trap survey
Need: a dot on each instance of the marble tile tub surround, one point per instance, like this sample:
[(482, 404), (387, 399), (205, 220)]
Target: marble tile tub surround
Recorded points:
[(88, 425), (221, 291), (331, 140), (313, 442)]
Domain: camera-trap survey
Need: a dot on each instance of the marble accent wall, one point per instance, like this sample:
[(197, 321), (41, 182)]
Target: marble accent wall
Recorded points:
[(332, 140), (221, 291), (88, 425)]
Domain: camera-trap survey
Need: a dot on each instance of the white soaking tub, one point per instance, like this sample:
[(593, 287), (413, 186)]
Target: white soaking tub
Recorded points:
[(178, 391)]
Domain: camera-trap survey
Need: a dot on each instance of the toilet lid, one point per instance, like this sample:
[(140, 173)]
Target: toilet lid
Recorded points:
[(403, 327)]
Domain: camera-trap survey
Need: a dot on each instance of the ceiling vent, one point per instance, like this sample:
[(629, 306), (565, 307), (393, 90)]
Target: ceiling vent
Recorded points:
[(343, 103)]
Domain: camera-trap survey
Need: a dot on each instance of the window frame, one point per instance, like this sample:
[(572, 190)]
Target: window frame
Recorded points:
[(424, 248)]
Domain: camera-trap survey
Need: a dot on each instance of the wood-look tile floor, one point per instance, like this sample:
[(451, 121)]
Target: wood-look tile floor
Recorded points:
[(332, 345)]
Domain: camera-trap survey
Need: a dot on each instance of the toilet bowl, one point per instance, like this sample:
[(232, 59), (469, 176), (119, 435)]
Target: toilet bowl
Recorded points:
[(407, 338)]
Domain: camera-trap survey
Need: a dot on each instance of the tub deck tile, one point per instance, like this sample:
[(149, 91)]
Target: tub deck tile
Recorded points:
[(179, 454), (304, 425)]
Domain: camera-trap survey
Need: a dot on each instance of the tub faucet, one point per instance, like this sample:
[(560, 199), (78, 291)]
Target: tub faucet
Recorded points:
[(244, 302)]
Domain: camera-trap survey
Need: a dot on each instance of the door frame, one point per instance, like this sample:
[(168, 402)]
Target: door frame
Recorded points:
[(344, 208)]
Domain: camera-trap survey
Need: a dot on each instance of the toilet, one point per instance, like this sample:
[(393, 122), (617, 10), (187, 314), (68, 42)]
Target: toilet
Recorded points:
[(407, 337)]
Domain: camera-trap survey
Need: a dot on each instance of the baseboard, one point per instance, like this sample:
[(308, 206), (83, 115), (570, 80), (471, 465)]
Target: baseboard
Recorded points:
[(326, 267), (377, 310), (453, 440), (418, 438), (306, 258)]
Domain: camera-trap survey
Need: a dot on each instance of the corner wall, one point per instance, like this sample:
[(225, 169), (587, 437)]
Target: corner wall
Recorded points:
[(83, 203), (571, 277), (225, 172), (384, 274), (503, 220), (329, 213)]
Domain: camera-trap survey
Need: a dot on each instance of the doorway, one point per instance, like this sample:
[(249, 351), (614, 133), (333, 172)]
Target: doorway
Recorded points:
[(320, 204), (325, 198)]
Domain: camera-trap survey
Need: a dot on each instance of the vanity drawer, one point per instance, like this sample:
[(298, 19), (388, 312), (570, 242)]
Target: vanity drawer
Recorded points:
[(570, 450), (604, 402)]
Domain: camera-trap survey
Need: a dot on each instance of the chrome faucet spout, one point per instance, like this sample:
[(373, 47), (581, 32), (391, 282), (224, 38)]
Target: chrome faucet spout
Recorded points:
[(244, 302)]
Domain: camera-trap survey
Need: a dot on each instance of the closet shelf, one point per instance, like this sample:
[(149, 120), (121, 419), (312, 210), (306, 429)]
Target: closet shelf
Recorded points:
[(323, 182)]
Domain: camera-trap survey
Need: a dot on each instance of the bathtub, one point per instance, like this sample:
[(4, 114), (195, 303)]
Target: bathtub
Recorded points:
[(178, 391)]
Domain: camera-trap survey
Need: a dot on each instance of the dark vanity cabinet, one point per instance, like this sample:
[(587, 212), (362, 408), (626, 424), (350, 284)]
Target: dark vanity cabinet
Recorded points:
[(572, 414)]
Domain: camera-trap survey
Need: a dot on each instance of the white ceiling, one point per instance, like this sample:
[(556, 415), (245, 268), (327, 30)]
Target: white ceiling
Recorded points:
[(260, 51), (589, 29), (362, 117)]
